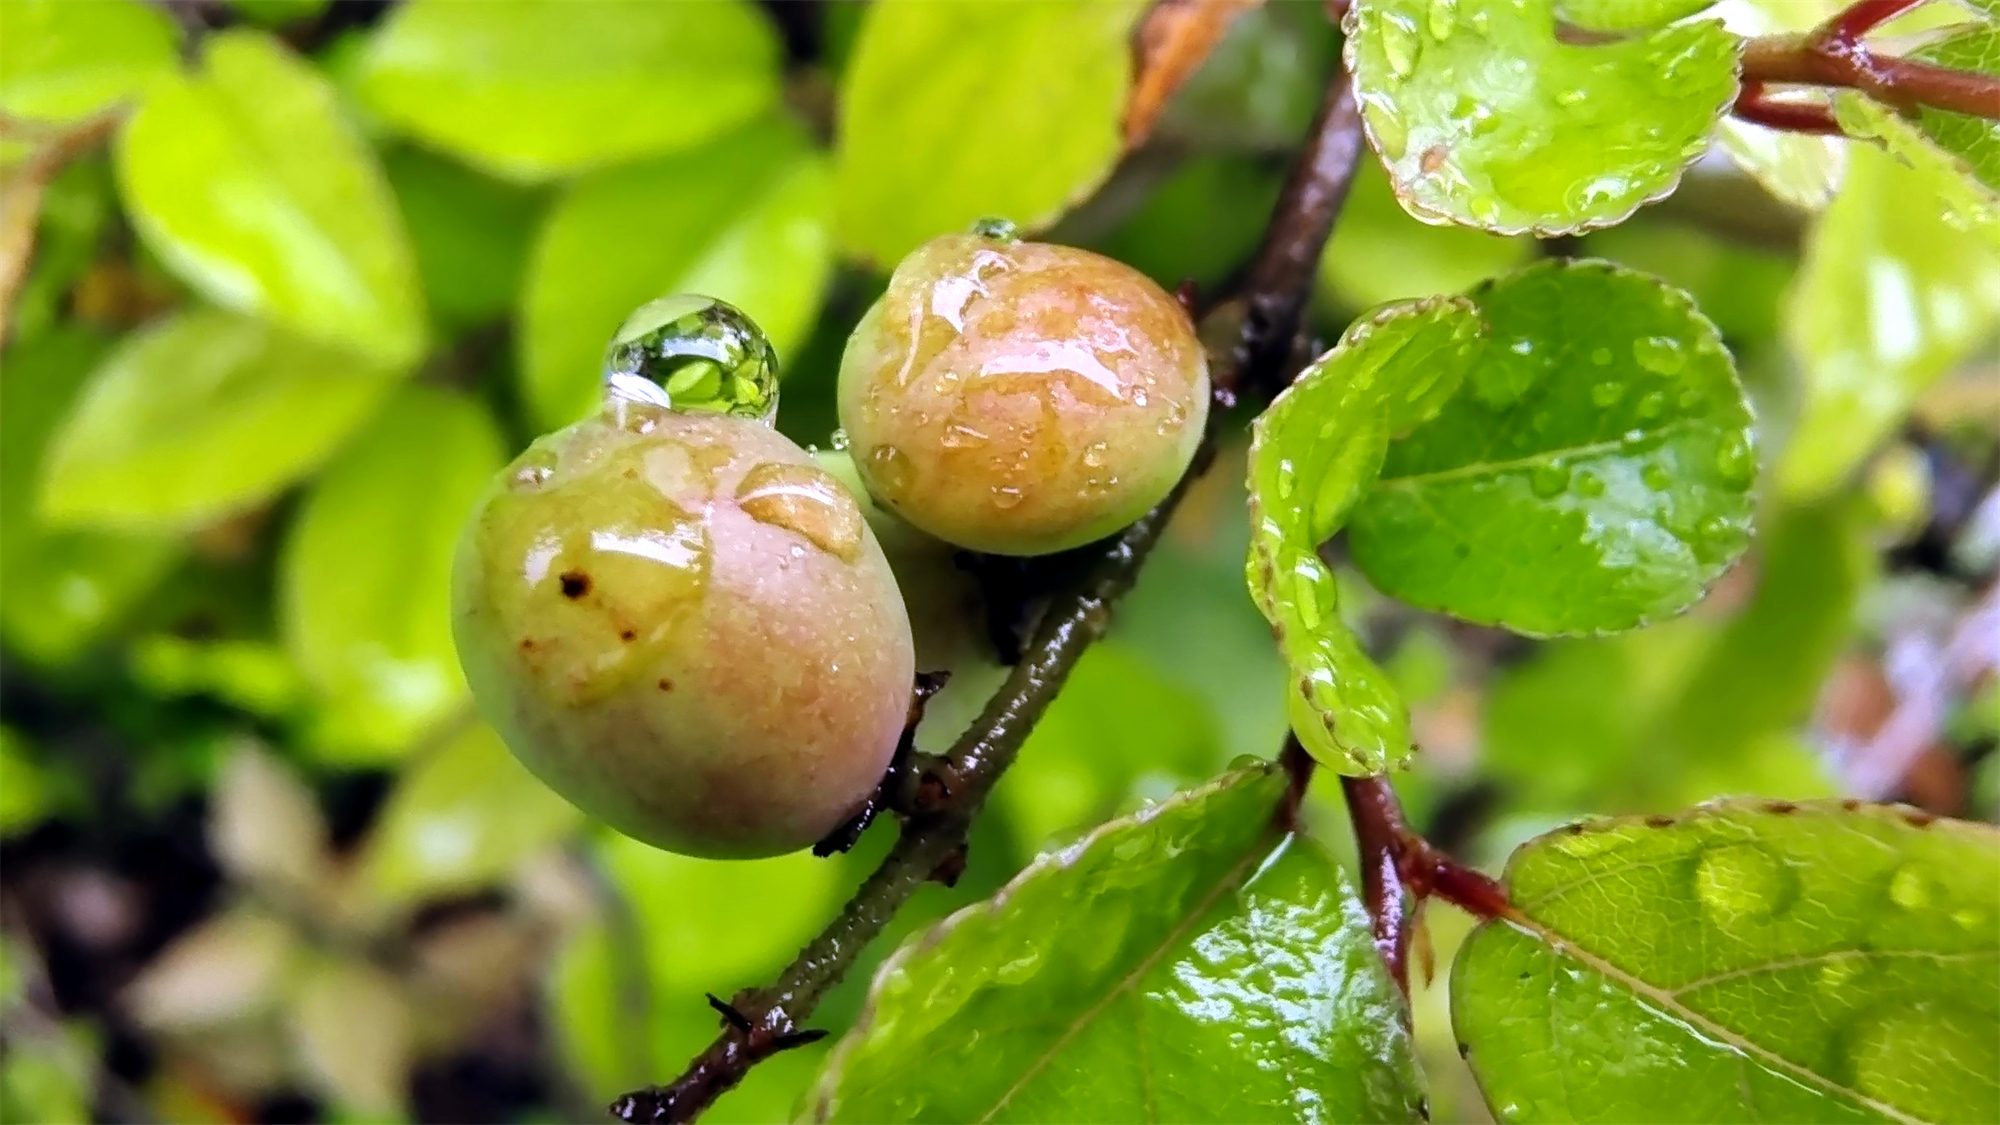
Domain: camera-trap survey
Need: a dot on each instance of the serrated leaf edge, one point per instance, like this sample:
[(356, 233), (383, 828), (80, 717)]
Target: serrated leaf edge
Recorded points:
[(1687, 302), (1442, 219)]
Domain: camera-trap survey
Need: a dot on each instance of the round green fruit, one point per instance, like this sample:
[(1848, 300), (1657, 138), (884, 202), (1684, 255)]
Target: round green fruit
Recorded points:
[(1021, 398), (682, 624)]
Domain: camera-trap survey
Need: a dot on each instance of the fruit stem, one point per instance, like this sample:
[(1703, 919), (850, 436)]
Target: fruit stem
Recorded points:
[(1279, 282)]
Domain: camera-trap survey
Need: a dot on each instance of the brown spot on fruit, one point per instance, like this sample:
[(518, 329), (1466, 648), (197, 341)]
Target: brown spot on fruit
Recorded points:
[(666, 685), (575, 584), (628, 635)]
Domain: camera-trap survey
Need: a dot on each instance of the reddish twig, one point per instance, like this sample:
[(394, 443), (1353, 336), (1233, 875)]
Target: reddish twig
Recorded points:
[(1400, 869), (762, 1022), (1835, 55), (1756, 105)]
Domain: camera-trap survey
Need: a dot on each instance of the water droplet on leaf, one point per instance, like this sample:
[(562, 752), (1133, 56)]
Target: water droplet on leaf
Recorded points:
[(1655, 476), (1548, 481), (1735, 460), (1442, 19), (1652, 405), (1589, 484), (1910, 888), (1742, 882), (1607, 394), (1659, 354), (1400, 44)]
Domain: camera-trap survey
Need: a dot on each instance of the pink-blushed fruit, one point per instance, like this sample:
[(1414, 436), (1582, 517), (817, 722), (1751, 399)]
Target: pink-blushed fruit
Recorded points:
[(1021, 398), (684, 625)]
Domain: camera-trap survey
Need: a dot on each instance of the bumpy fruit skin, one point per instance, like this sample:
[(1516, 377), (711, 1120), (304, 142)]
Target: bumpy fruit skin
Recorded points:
[(682, 624), (1021, 398)]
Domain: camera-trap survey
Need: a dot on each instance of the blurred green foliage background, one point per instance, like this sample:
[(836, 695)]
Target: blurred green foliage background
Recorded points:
[(304, 275)]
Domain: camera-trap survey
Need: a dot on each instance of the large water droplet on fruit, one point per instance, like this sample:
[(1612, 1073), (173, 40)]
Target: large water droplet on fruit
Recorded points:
[(696, 355), (1743, 882), (889, 469), (804, 499), (996, 229)]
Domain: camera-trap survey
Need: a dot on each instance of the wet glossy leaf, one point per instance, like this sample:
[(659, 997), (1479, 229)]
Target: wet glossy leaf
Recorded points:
[(461, 818), (1890, 297), (1802, 169), (65, 60), (364, 588), (1626, 15), (532, 89), (954, 112), (64, 588), (250, 185), (202, 415), (470, 232), (1484, 118), (1742, 962), (744, 220), (1594, 474), (1379, 253), (1738, 285), (1173, 966), (1313, 455)]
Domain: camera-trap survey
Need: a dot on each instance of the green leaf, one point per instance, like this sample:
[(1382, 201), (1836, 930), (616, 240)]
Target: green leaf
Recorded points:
[(1743, 962), (1379, 253), (1737, 285), (460, 819), (470, 233), (1313, 454), (534, 89), (1184, 964), (744, 220), (364, 589), (1890, 298), (1966, 202), (1202, 223), (64, 588), (253, 675), (1484, 118), (953, 112), (248, 183), (199, 416), (1593, 476), (279, 13), (65, 60), (1626, 15)]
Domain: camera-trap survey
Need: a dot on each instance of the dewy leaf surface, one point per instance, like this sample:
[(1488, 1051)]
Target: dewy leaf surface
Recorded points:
[(62, 61), (1626, 15), (199, 416), (1313, 454), (249, 184), (364, 586), (1484, 118), (954, 112), (533, 89), (745, 219), (1183, 964), (1593, 475), (1890, 298), (1824, 962)]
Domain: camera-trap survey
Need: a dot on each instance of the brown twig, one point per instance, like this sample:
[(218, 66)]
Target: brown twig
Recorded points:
[(21, 203), (1075, 618), (1834, 55), (1400, 869)]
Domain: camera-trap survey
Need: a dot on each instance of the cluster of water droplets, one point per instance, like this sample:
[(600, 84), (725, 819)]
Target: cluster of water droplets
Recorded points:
[(693, 354)]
